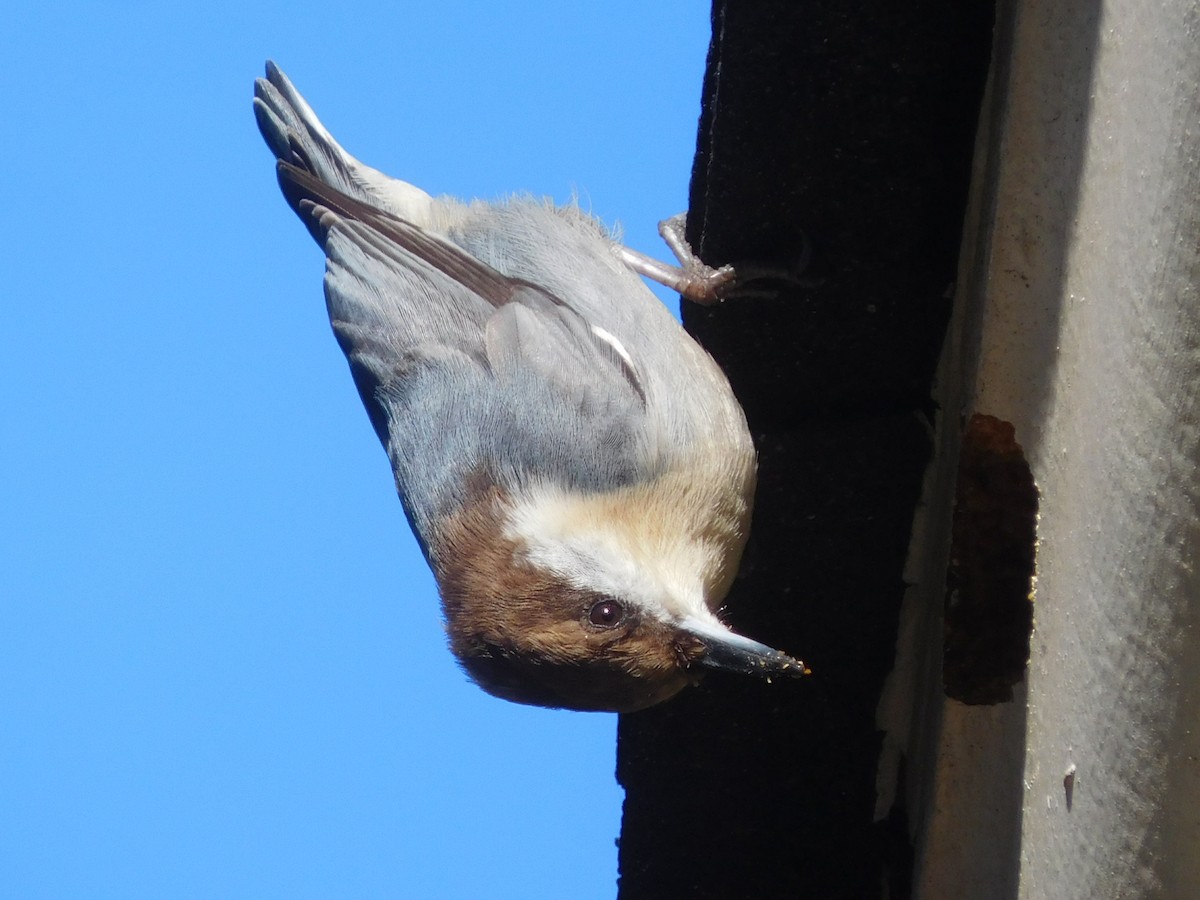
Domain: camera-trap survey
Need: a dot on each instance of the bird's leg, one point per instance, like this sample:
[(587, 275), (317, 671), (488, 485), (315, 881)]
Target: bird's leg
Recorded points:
[(702, 283), (692, 278)]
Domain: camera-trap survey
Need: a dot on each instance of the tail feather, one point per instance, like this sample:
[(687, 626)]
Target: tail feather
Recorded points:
[(296, 136)]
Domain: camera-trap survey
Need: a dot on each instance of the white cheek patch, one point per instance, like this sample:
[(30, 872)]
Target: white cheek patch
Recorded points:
[(567, 536), (591, 562)]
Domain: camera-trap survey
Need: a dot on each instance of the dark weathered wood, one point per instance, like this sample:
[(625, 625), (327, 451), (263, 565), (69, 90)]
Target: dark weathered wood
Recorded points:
[(851, 127)]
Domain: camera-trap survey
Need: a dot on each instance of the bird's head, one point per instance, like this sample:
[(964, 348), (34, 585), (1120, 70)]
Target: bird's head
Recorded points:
[(556, 605)]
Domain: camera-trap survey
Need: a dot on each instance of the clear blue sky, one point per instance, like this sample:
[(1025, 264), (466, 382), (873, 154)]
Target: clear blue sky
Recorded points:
[(222, 671)]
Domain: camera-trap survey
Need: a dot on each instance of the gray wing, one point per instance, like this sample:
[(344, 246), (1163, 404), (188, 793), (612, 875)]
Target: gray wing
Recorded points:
[(465, 371)]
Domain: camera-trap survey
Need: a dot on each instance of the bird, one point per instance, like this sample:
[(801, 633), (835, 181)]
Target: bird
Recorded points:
[(575, 467)]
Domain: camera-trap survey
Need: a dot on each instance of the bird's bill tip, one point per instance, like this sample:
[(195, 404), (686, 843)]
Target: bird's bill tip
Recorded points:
[(728, 651)]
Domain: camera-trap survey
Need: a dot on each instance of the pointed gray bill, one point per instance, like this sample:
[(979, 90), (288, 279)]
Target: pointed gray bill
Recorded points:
[(727, 651)]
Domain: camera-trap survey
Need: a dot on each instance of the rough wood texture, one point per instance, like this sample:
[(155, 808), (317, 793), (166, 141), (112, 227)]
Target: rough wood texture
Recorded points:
[(851, 127), (1085, 274)]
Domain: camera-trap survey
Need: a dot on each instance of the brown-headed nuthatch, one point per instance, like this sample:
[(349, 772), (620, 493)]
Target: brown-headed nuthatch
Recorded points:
[(575, 467)]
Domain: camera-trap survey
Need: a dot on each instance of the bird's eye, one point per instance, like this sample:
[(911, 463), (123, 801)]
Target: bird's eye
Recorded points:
[(606, 613)]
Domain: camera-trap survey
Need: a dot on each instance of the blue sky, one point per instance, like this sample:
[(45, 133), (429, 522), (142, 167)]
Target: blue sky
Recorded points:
[(222, 670)]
